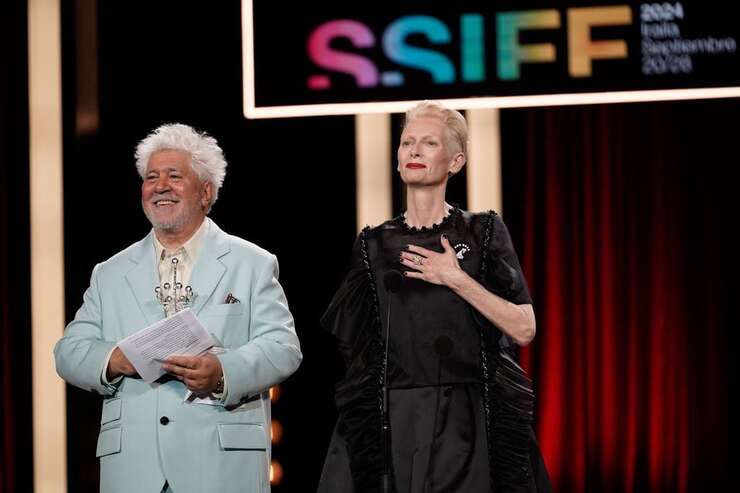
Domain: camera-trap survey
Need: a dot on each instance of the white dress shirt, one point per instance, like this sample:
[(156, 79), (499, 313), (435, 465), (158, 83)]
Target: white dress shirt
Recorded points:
[(186, 255)]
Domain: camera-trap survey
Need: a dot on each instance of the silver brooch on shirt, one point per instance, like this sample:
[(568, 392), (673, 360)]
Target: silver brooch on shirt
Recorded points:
[(173, 297), (460, 250)]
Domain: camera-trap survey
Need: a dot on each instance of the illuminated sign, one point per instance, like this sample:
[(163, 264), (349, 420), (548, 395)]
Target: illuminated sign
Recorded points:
[(312, 59)]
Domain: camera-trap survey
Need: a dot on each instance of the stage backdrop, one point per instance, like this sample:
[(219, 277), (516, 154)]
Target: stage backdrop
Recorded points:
[(16, 442), (622, 215)]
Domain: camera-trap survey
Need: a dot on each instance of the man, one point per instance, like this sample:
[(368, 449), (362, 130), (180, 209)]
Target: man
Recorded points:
[(156, 437)]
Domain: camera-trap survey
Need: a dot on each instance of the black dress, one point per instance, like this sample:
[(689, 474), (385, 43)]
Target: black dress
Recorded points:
[(460, 406)]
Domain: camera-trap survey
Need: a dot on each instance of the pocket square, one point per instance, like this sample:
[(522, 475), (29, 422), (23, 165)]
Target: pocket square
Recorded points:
[(230, 298)]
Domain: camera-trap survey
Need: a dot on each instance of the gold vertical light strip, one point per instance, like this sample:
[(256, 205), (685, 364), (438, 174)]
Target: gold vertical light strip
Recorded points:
[(484, 161), (87, 112), (47, 248), (373, 162)]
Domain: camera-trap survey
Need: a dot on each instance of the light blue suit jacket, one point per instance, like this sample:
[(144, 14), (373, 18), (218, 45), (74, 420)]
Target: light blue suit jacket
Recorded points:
[(148, 433)]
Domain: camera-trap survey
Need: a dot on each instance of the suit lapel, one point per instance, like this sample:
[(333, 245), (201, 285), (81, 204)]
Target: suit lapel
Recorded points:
[(143, 278), (209, 269)]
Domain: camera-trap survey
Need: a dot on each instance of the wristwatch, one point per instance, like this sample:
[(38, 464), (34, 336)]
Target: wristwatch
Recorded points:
[(219, 385)]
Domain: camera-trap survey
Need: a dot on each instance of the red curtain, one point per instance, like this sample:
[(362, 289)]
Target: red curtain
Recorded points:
[(622, 229)]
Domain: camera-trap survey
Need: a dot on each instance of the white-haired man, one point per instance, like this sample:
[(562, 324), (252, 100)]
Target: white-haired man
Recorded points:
[(152, 438)]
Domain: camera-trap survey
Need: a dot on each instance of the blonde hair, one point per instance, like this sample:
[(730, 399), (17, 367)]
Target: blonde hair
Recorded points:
[(455, 125)]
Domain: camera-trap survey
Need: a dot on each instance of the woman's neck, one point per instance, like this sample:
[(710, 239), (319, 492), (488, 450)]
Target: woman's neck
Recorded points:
[(425, 207)]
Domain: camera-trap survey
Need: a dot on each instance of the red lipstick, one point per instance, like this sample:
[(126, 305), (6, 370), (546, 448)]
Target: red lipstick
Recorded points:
[(415, 165)]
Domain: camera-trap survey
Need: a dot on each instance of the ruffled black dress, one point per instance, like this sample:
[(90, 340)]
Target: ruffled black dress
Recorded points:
[(460, 406)]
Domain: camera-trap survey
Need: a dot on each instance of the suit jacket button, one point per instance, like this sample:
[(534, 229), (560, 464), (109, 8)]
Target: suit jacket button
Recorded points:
[(164, 420)]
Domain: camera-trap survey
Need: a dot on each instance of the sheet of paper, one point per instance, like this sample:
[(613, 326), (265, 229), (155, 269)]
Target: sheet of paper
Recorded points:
[(180, 333)]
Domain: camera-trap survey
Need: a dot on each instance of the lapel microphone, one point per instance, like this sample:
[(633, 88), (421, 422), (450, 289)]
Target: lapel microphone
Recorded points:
[(392, 281)]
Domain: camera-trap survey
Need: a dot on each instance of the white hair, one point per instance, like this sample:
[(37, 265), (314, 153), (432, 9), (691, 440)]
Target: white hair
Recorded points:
[(206, 157)]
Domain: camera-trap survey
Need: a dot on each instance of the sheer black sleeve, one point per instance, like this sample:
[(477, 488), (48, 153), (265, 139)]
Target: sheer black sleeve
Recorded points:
[(504, 275), (352, 319), (350, 314)]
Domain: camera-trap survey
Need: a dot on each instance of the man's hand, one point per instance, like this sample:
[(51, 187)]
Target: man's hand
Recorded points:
[(118, 365), (199, 373)]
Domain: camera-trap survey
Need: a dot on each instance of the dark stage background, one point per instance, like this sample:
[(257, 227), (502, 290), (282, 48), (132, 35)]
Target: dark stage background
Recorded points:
[(623, 217), (15, 269)]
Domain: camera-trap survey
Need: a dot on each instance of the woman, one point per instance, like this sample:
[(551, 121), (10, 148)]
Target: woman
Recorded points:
[(460, 408)]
